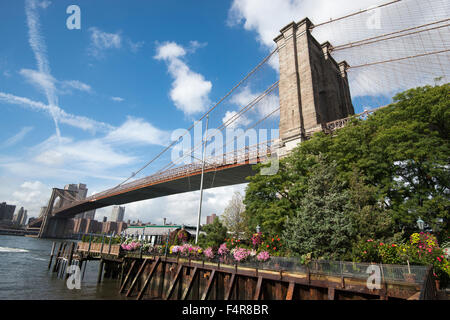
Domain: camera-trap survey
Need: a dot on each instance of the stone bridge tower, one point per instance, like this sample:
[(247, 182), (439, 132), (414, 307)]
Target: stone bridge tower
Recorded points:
[(313, 86)]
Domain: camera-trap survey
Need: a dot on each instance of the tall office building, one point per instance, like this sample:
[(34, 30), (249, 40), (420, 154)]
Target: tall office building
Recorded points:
[(19, 216), (80, 195), (117, 213), (7, 211), (23, 221)]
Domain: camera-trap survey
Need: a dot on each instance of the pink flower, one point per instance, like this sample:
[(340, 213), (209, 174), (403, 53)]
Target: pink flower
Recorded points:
[(263, 256)]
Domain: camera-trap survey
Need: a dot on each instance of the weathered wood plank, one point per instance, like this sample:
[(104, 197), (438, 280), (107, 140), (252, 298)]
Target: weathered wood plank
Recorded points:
[(188, 288), (331, 293), (138, 274), (149, 277), (258, 288), (230, 286), (174, 282), (127, 277), (290, 292), (208, 286)]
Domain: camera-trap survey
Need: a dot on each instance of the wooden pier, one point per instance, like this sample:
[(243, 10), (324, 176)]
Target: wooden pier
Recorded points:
[(143, 276)]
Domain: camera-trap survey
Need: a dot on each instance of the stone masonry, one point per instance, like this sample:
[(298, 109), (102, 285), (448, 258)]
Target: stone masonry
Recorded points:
[(313, 87)]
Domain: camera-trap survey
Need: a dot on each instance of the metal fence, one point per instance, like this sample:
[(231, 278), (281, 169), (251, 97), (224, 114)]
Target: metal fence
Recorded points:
[(389, 273)]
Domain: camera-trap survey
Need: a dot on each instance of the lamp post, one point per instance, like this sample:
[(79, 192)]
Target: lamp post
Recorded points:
[(420, 224), (201, 182)]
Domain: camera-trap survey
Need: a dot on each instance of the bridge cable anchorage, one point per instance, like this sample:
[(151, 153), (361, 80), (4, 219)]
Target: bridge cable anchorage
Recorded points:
[(227, 123), (354, 14), (203, 116), (398, 59), (396, 33)]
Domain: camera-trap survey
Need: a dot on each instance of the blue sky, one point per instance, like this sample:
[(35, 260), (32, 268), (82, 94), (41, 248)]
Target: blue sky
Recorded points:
[(93, 105)]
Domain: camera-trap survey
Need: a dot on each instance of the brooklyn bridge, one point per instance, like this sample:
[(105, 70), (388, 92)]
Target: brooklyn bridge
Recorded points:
[(313, 94)]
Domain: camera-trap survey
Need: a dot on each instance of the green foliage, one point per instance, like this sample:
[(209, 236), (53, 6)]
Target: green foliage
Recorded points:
[(392, 167), (216, 232), (321, 225)]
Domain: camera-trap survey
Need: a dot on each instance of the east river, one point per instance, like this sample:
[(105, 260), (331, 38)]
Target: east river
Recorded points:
[(24, 274)]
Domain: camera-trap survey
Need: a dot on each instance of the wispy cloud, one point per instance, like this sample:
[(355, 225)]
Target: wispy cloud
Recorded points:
[(17, 137), (117, 99), (190, 91), (138, 131), (36, 40), (77, 85), (57, 113), (101, 41)]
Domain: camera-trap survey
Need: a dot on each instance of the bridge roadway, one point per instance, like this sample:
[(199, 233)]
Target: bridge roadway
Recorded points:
[(221, 171), (228, 169)]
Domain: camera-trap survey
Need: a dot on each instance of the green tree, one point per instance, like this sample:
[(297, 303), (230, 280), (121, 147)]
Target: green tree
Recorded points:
[(321, 225), (401, 151), (216, 233)]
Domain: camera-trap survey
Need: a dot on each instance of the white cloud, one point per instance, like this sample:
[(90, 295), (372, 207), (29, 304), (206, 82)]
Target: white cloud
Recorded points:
[(136, 130), (31, 195), (117, 99), (262, 108), (43, 76), (92, 154), (77, 85), (44, 4), (17, 137), (180, 208), (57, 113), (190, 90), (236, 122), (380, 80), (101, 41), (135, 46), (253, 14)]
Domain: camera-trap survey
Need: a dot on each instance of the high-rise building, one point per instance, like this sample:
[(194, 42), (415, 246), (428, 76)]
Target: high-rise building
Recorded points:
[(19, 216), (7, 211), (81, 193), (117, 213), (24, 218)]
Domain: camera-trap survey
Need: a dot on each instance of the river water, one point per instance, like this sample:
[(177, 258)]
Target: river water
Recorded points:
[(24, 274)]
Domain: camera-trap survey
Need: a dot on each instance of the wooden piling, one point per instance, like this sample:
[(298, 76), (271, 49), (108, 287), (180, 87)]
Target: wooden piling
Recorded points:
[(55, 266), (208, 286), (127, 277), (189, 286), (149, 277), (100, 271), (51, 255), (70, 257), (137, 277)]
